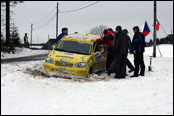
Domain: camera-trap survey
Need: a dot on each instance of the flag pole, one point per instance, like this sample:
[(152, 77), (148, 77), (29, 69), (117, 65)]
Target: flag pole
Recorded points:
[(152, 35), (164, 30), (159, 49), (157, 45)]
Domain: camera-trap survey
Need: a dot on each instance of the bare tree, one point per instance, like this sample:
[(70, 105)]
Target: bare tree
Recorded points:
[(98, 30)]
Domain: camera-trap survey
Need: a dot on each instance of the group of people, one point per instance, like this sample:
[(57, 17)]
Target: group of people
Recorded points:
[(119, 43)]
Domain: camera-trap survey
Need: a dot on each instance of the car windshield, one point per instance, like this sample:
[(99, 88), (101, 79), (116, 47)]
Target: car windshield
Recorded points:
[(74, 47)]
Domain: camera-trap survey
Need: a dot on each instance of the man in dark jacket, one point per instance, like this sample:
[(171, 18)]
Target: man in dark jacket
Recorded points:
[(128, 63), (64, 32), (120, 52), (138, 44)]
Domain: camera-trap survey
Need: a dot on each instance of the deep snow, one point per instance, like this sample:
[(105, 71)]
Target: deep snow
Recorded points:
[(23, 93)]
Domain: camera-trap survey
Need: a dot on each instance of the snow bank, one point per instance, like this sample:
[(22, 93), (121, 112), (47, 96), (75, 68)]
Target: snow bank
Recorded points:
[(23, 93), (21, 52)]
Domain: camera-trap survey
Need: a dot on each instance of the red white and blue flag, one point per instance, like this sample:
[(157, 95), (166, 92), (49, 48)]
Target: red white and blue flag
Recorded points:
[(146, 30), (157, 25)]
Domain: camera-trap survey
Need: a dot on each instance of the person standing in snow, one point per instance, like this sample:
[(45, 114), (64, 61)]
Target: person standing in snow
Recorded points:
[(26, 43), (111, 69), (128, 63), (121, 44), (138, 44), (64, 32)]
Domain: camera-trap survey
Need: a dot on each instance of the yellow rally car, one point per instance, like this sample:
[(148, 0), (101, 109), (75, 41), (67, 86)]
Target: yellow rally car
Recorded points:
[(76, 55)]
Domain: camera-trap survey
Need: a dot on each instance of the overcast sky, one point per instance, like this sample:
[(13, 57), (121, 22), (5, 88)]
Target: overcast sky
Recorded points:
[(109, 13)]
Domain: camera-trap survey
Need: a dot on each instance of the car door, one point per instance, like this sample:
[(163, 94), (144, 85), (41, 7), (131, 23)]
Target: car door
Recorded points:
[(99, 56)]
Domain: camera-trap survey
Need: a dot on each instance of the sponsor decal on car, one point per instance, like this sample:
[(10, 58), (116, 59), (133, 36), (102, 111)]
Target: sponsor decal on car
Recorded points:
[(98, 58), (77, 40), (58, 56), (77, 37), (63, 60), (69, 54)]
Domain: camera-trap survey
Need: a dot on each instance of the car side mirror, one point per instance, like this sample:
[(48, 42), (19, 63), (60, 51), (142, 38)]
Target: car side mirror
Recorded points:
[(97, 53)]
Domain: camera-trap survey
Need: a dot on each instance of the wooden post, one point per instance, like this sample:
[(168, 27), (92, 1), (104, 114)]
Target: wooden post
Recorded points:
[(57, 21), (154, 36)]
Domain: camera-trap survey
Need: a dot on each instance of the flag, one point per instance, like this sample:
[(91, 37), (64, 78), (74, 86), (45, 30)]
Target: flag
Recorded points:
[(157, 25), (146, 30)]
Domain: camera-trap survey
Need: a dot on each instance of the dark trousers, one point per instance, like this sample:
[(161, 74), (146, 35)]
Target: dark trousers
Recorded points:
[(109, 60), (113, 65), (120, 65), (26, 45), (129, 64), (139, 62)]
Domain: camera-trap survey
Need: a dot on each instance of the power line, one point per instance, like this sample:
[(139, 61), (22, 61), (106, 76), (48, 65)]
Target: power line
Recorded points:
[(47, 20), (46, 23), (79, 8), (76, 5), (27, 27), (70, 5), (44, 17)]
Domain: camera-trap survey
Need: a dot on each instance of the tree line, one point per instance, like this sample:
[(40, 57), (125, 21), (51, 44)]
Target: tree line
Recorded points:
[(11, 38), (166, 40)]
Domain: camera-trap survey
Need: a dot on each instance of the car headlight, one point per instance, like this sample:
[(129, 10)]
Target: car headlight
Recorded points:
[(50, 60), (80, 64)]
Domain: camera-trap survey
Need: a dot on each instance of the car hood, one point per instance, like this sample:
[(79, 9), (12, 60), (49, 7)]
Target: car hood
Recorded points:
[(68, 57)]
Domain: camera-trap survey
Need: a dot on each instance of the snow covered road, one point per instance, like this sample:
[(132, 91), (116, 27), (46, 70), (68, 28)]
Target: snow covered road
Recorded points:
[(23, 52), (23, 93)]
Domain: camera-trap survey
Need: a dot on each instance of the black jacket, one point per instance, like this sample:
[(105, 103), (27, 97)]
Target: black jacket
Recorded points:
[(138, 42), (121, 43)]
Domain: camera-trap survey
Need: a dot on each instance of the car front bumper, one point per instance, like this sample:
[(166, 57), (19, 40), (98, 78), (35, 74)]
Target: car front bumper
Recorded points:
[(52, 70)]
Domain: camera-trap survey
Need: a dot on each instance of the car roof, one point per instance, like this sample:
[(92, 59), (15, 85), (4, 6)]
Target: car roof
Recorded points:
[(84, 37)]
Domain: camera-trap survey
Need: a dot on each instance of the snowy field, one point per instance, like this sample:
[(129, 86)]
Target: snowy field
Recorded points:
[(21, 52), (166, 50), (24, 93)]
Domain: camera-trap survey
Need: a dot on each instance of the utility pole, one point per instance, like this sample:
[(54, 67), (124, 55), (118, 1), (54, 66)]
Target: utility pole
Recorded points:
[(31, 34), (57, 20), (48, 42), (154, 36)]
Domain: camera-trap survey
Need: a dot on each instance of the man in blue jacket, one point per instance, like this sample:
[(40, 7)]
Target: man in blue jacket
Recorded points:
[(138, 44), (64, 32)]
